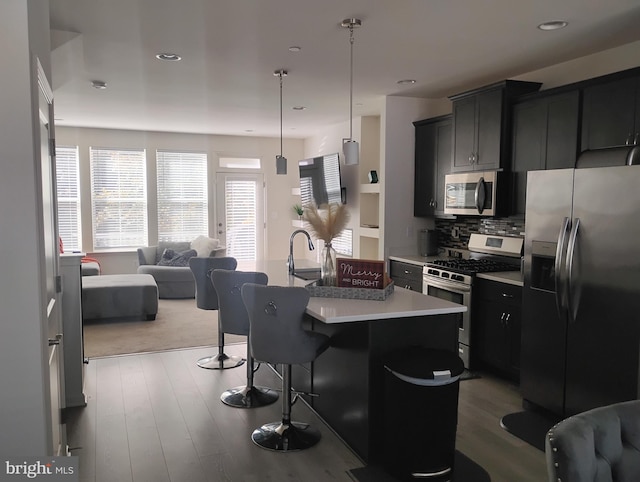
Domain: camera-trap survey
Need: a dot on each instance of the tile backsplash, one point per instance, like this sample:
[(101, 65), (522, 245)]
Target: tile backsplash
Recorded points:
[(454, 233)]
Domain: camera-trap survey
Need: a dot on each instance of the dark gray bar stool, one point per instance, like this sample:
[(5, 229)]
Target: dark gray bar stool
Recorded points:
[(277, 336), (234, 319), (207, 299)]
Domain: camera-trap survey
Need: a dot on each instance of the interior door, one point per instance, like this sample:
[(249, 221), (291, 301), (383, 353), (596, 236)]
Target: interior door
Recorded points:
[(240, 214), (51, 265)]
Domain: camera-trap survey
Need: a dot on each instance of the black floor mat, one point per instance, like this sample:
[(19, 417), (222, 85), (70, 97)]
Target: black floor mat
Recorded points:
[(465, 470), (532, 427)]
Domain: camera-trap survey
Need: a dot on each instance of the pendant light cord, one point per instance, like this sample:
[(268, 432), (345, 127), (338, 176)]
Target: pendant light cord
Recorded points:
[(351, 84), (281, 113)]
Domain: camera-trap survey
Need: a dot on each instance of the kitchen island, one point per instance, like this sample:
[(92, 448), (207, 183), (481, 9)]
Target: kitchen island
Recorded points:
[(348, 377)]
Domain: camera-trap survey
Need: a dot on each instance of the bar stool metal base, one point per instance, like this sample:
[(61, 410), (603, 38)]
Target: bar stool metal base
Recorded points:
[(289, 437), (220, 362), (249, 397)]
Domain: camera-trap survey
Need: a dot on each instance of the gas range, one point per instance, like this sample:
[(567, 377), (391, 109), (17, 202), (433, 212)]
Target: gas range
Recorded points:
[(452, 278), (487, 253)]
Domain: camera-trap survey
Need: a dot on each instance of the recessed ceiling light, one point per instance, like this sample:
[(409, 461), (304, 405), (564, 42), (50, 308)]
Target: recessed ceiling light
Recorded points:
[(299, 107), (295, 48), (98, 84), (553, 25), (406, 81), (248, 130), (169, 57)]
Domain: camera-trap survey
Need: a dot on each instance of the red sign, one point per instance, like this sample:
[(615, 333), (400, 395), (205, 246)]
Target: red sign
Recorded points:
[(360, 273)]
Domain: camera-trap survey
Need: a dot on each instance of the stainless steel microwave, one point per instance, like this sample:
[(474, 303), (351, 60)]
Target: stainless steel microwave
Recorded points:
[(473, 193)]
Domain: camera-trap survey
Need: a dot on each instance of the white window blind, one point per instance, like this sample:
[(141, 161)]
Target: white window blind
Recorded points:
[(241, 204), (68, 195), (118, 197), (182, 195), (306, 191), (343, 243), (331, 167)]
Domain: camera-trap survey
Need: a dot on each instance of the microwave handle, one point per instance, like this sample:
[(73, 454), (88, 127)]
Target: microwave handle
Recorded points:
[(480, 195)]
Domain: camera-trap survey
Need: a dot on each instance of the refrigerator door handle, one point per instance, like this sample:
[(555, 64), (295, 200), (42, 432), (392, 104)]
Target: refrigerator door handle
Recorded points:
[(480, 195), (572, 304), (561, 293)]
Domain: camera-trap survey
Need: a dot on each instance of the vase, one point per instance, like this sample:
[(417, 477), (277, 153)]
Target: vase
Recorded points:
[(328, 265)]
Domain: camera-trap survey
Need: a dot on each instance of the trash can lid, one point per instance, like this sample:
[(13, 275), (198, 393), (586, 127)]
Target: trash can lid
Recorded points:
[(424, 363)]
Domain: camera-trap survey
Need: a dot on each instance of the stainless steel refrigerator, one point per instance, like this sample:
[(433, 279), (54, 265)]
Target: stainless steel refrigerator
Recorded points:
[(581, 299)]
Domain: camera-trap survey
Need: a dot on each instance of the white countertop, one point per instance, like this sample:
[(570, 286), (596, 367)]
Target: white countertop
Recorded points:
[(402, 303)]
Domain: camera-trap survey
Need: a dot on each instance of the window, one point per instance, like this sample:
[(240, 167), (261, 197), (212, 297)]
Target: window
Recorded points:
[(68, 195), (118, 197), (343, 243), (241, 201), (182, 195), (240, 162)]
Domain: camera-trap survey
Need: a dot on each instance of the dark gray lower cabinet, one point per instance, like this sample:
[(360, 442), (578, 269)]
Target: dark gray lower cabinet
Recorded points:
[(496, 325), (406, 275)]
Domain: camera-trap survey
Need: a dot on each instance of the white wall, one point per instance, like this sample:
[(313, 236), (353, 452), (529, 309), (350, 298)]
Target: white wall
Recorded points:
[(279, 201), (398, 167), (601, 63), (24, 371)]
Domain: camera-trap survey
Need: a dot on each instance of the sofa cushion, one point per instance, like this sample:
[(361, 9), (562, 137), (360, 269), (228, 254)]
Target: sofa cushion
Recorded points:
[(172, 258), (178, 246), (204, 245)]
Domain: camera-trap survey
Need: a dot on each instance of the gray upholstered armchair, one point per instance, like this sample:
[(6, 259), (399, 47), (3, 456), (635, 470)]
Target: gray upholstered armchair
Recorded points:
[(602, 444), (172, 281)]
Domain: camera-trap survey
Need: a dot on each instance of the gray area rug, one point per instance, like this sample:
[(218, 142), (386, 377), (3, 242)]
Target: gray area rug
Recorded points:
[(178, 324)]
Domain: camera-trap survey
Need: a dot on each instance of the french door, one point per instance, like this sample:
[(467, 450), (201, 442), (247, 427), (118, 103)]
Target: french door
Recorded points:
[(240, 214)]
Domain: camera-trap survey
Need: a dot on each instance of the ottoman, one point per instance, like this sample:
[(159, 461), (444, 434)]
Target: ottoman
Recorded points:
[(119, 296)]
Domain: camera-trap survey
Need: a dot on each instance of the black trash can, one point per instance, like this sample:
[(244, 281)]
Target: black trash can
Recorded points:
[(421, 413)]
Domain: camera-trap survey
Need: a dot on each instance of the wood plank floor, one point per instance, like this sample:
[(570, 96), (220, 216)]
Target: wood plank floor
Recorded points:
[(158, 417)]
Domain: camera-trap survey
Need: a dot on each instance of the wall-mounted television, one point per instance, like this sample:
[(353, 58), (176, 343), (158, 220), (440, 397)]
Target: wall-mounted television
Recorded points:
[(320, 180)]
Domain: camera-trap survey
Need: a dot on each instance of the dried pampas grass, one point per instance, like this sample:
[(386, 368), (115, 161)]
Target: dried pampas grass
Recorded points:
[(329, 225)]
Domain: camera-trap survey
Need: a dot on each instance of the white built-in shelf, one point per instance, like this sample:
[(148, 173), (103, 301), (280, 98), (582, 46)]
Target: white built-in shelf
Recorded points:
[(298, 223), (295, 191), (370, 188), (367, 232)]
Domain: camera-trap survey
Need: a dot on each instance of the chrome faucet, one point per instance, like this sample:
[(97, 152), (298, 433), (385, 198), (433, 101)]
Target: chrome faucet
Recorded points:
[(293, 235)]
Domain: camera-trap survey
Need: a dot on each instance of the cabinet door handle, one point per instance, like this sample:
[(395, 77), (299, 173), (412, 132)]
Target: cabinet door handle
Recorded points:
[(507, 295), (635, 139), (506, 320), (628, 141), (502, 319), (471, 158), (406, 271)]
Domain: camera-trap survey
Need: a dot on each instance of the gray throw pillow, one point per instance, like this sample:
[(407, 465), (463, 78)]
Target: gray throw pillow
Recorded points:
[(171, 258)]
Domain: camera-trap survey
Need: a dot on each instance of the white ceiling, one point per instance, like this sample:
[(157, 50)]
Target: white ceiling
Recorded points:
[(230, 49)]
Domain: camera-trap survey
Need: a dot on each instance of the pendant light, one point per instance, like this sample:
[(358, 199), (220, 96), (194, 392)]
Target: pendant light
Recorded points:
[(281, 161), (350, 148)]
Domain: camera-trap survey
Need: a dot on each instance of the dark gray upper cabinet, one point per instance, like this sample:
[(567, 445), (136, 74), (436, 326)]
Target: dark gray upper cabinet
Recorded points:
[(433, 139), (545, 136), (611, 114), (481, 125)]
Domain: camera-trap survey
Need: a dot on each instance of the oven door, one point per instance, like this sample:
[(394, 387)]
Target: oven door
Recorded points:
[(457, 293)]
